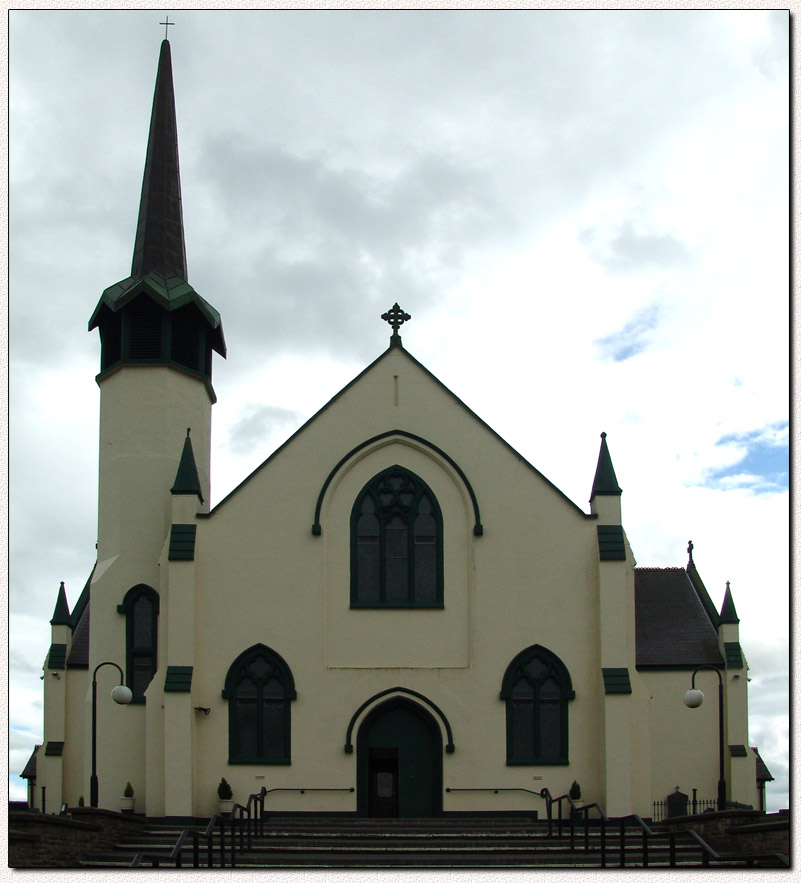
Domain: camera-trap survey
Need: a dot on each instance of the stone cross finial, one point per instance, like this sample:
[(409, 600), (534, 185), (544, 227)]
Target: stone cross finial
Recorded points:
[(167, 24), (690, 549), (395, 317)]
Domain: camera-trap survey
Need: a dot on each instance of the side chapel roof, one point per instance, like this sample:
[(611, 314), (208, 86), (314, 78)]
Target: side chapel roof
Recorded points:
[(673, 627)]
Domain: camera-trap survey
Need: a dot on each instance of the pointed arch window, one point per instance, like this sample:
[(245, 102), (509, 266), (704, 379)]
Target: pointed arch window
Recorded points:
[(259, 688), (396, 543), (141, 609), (537, 688)]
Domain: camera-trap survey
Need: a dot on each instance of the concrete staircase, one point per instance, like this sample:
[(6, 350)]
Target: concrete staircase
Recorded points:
[(348, 842)]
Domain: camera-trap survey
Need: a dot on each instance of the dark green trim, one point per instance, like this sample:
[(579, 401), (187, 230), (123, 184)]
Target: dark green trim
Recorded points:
[(187, 482), (182, 542), (550, 666), (438, 382), (137, 652), (611, 543), (449, 747), (478, 528), (738, 751), (728, 612), (61, 613), (178, 679), (616, 680), (372, 493), (54, 749), (734, 654), (605, 482), (57, 656), (684, 667), (240, 672), (422, 750)]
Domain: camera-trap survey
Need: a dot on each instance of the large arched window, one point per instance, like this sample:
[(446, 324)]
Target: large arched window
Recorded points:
[(536, 688), (141, 609), (259, 687), (396, 543)]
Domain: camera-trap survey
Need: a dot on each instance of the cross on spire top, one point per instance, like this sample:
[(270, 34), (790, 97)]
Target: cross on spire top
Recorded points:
[(167, 24), (395, 317)]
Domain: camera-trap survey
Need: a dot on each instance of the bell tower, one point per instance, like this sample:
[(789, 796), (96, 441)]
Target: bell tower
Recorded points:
[(157, 335)]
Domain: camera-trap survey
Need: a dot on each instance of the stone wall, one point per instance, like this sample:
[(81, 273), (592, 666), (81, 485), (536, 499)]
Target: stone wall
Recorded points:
[(739, 831), (50, 841)]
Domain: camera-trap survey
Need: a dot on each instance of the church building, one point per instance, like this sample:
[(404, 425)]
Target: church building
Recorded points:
[(395, 614)]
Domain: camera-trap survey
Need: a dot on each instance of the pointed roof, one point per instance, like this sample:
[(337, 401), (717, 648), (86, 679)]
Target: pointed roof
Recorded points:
[(61, 614), (728, 612), (605, 482), (160, 232), (159, 259), (186, 479)]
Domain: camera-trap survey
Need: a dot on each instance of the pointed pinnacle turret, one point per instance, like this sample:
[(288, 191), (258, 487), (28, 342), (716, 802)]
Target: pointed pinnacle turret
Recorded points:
[(605, 482), (186, 479), (728, 612), (159, 244), (61, 614)]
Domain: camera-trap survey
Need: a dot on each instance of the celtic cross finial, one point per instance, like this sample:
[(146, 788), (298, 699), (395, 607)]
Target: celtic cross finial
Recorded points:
[(395, 317)]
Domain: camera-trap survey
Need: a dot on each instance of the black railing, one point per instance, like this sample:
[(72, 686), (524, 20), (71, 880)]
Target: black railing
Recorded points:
[(661, 808), (707, 854), (238, 829)]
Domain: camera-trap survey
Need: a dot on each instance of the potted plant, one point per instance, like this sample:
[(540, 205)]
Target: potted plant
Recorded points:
[(225, 794), (127, 800)]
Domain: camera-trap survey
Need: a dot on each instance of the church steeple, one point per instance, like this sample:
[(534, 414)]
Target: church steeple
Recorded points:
[(728, 612), (159, 244), (155, 316)]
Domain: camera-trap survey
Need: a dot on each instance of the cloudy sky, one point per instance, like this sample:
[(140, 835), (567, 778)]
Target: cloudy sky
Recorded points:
[(585, 213)]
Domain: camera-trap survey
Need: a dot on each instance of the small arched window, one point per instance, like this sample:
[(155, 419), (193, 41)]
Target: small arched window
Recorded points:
[(536, 688), (141, 609), (259, 688), (396, 543)]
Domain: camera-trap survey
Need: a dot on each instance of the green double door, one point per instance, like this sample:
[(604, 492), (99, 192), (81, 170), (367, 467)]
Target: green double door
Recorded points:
[(399, 762)]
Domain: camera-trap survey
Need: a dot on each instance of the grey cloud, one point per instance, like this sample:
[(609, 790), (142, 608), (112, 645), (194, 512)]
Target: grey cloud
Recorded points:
[(628, 251), (320, 251), (632, 337), (252, 430)]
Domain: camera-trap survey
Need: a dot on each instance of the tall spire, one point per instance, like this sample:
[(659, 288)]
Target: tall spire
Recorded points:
[(605, 482), (159, 244)]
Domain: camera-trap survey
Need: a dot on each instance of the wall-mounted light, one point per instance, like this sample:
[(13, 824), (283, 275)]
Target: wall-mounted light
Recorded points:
[(204, 710)]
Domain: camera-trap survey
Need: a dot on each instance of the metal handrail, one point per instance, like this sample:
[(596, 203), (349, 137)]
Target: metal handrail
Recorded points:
[(245, 819)]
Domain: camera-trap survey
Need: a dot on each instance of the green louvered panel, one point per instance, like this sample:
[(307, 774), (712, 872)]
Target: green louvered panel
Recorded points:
[(734, 655), (178, 679), (57, 657), (616, 680), (182, 542), (611, 545)]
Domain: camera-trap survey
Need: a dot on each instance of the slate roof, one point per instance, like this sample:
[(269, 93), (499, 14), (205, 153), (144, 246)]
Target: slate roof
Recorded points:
[(79, 651), (673, 627), (763, 774), (30, 767)]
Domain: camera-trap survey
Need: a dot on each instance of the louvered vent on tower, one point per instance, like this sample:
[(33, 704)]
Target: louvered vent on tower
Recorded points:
[(144, 339)]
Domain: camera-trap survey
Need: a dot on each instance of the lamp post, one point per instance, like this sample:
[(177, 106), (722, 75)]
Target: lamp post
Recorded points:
[(692, 699), (122, 695)]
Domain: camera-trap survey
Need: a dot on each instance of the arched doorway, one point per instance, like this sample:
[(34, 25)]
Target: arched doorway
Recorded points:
[(399, 762)]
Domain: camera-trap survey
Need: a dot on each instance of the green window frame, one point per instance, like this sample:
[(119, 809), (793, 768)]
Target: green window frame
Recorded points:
[(537, 688), (140, 606), (259, 688), (396, 544)]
